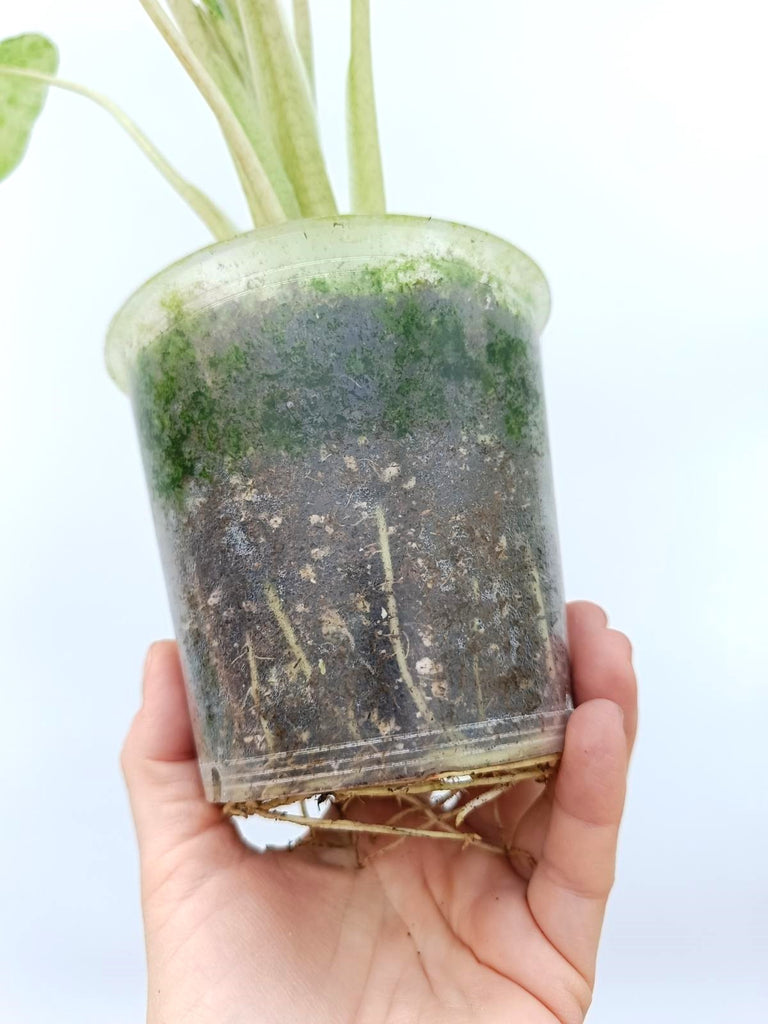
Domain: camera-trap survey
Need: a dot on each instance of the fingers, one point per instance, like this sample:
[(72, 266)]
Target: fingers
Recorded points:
[(570, 885), (165, 730), (601, 665), (159, 763), (601, 662)]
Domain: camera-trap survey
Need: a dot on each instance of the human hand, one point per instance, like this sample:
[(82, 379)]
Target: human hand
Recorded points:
[(427, 931)]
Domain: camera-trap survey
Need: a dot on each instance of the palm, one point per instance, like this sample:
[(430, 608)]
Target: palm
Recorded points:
[(426, 930)]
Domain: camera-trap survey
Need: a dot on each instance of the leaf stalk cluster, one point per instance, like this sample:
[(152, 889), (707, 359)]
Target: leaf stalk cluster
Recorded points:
[(255, 69)]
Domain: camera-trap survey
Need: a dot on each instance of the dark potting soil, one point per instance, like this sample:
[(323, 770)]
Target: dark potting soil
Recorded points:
[(352, 493)]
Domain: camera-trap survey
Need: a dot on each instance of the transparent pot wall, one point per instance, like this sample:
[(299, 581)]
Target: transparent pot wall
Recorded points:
[(343, 429)]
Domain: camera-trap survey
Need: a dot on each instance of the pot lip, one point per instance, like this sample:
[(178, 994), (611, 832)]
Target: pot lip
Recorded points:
[(146, 312)]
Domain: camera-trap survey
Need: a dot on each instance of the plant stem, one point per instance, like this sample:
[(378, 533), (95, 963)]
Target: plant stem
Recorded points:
[(263, 202), (211, 41), (287, 103), (217, 222), (302, 28), (366, 178)]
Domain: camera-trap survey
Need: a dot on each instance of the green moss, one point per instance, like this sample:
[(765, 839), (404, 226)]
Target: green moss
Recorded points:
[(178, 417), (512, 380), (429, 354), (320, 284), (229, 363), (280, 426), (311, 370), (174, 305)]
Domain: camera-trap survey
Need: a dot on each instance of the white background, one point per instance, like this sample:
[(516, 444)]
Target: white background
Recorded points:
[(624, 146)]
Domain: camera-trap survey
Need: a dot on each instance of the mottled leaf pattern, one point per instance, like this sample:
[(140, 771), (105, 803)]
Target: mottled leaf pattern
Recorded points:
[(21, 100)]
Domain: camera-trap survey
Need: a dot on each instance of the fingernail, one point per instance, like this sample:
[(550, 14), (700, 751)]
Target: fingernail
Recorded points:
[(149, 658)]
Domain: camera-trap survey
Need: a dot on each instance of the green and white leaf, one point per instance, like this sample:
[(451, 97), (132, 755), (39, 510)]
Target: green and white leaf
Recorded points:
[(302, 29), (209, 39), (366, 179), (226, 24), (262, 199), (211, 34), (22, 99), (285, 99)]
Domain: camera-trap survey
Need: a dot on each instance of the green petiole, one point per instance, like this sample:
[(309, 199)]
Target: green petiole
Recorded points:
[(263, 202), (302, 28), (220, 226), (278, 73), (222, 52), (365, 173)]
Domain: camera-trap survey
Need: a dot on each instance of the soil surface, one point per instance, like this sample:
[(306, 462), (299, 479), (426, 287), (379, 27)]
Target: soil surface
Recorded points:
[(352, 493)]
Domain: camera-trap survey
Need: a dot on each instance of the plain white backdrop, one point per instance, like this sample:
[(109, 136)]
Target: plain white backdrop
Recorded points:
[(624, 146)]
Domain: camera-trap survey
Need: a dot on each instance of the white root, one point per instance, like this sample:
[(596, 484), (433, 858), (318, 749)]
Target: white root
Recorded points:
[(255, 692), (276, 607), (343, 825), (395, 634), (478, 801)]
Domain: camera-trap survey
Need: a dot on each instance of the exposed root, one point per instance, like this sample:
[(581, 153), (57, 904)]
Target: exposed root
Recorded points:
[(255, 692), (440, 798), (383, 849), (478, 686), (541, 614), (276, 607), (394, 620), (485, 798), (425, 799), (476, 661), (371, 828)]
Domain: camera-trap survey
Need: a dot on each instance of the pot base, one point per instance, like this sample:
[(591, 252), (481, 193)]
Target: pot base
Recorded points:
[(416, 803), (470, 750)]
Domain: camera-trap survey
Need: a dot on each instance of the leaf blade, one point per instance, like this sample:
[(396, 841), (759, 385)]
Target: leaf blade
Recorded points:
[(21, 100)]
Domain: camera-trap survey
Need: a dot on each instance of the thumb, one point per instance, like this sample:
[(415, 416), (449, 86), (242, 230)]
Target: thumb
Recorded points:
[(160, 766)]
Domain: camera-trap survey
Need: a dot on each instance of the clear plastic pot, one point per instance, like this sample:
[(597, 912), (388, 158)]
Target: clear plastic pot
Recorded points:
[(342, 423)]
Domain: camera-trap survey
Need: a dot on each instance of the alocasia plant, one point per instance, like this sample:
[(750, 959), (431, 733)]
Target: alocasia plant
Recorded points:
[(256, 74)]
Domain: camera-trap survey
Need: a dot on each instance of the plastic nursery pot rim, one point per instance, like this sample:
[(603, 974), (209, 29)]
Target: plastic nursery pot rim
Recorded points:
[(266, 259)]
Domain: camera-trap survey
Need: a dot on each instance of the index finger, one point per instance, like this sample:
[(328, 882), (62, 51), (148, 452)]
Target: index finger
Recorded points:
[(601, 662)]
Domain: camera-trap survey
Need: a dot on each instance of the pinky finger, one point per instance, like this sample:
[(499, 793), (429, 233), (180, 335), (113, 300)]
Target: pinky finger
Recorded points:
[(569, 888)]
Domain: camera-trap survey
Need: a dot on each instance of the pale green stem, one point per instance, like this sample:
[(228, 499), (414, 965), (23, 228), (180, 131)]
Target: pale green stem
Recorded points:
[(214, 219), (228, 33), (262, 200), (365, 174), (284, 93), (258, 70), (187, 16), (302, 29), (204, 35)]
